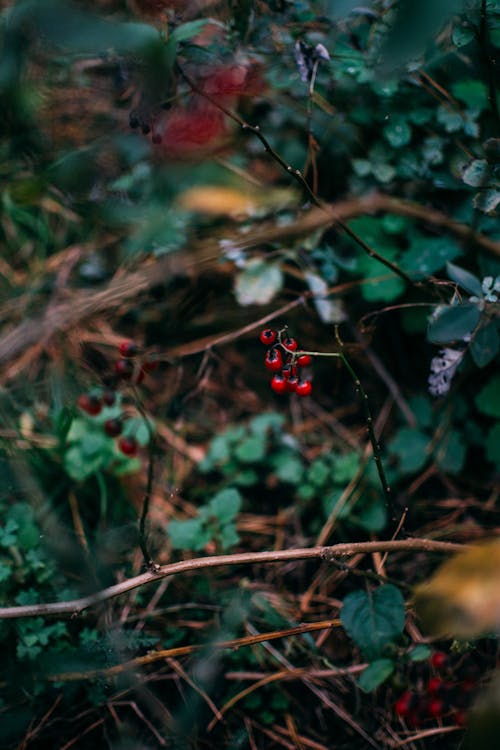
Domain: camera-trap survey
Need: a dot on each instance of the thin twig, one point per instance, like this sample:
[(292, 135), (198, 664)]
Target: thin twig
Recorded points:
[(73, 607)]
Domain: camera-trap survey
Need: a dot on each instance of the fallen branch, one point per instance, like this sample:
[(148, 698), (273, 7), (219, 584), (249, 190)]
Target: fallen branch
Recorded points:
[(74, 606)]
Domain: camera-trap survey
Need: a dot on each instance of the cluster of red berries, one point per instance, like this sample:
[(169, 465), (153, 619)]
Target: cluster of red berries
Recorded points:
[(125, 369), (285, 360), (442, 697)]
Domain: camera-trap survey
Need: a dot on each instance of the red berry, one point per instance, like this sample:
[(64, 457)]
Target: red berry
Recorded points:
[(436, 708), (90, 404), (289, 371), (304, 360), (128, 446), (434, 685), (290, 344), (268, 336), (109, 397), (273, 360), (460, 718), (403, 704), (303, 388), (128, 349), (438, 660), (113, 427), (291, 383), (124, 368), (279, 383), (149, 365)]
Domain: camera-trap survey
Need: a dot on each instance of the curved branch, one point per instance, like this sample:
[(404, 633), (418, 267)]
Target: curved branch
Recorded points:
[(73, 607)]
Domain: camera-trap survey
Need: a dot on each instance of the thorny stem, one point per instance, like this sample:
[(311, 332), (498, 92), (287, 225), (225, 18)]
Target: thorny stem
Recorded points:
[(297, 175), (149, 486), (366, 408)]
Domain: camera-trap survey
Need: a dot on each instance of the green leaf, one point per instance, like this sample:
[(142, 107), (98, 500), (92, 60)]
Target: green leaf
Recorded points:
[(410, 446), (473, 93), (251, 450), (485, 345), (374, 619), (477, 173), (189, 30), (5, 571), (450, 456), (426, 255), (488, 398), (226, 504), (345, 466), (187, 534), (258, 283), (462, 35), (375, 674), (465, 279), (421, 406), (370, 514), (420, 653), (228, 536), (453, 322), (397, 132), (263, 423), (318, 473), (288, 467), (487, 201), (492, 444)]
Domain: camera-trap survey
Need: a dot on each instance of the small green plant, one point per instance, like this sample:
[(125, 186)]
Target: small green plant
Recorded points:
[(215, 523)]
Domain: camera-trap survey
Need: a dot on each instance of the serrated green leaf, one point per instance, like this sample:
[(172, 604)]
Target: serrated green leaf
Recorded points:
[(375, 674), (374, 619), (453, 322)]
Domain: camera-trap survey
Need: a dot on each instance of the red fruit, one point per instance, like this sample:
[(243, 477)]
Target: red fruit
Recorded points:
[(304, 360), (273, 360), (290, 344), (291, 383), (124, 368), (460, 718), (268, 336), (149, 365), (403, 704), (109, 397), (279, 383), (436, 708), (439, 660), (303, 388), (232, 81), (90, 404), (289, 371), (128, 446), (195, 132), (128, 349), (434, 685), (113, 427)]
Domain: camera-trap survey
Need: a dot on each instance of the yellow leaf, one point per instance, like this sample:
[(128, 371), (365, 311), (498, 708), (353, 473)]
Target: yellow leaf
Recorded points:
[(217, 201), (462, 599)]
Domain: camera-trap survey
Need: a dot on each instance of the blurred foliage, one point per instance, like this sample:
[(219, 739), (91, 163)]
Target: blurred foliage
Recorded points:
[(133, 206)]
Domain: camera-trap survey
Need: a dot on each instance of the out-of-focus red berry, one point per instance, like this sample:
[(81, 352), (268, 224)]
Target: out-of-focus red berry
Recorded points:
[(128, 446), (92, 405), (199, 130), (439, 660), (403, 704), (434, 685), (436, 708), (128, 349)]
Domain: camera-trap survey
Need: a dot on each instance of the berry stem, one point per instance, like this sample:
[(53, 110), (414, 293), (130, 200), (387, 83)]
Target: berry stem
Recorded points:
[(143, 543)]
